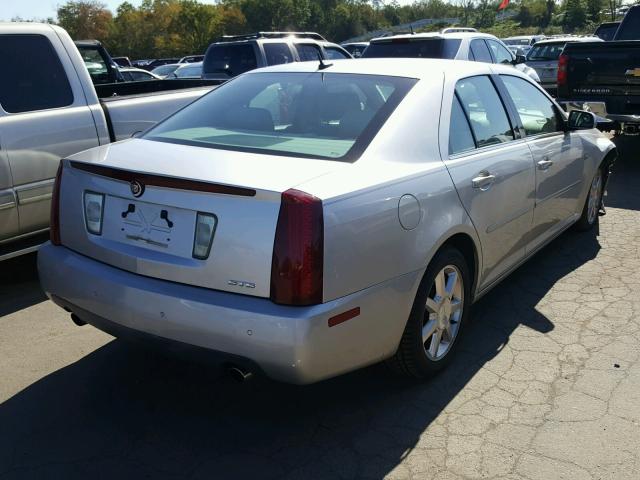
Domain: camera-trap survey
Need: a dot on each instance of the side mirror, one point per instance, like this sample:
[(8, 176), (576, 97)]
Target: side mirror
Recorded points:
[(520, 59), (581, 120)]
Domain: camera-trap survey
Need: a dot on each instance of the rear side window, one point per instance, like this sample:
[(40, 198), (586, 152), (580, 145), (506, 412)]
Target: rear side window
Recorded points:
[(485, 111), (500, 53), (308, 52), (334, 53), (36, 80), (480, 51), (460, 136), (630, 27), (230, 59), (277, 53), (419, 48)]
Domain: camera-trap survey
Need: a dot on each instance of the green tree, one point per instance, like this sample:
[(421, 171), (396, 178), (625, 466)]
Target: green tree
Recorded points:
[(85, 19), (575, 15)]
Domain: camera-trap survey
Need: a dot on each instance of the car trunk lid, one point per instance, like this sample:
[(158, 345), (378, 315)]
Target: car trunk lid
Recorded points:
[(152, 195)]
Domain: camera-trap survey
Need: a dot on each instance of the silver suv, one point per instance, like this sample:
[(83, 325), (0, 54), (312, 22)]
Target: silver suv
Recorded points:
[(237, 54)]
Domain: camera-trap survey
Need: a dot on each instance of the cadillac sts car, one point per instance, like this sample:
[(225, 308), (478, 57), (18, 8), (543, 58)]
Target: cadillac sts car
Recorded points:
[(308, 219)]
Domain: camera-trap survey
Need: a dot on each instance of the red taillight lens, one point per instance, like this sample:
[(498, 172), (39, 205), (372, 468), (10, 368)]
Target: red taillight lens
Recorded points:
[(563, 61), (298, 250), (54, 232)]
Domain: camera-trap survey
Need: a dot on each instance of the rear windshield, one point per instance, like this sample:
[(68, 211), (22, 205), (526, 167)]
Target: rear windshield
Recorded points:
[(630, 26), (230, 59), (413, 48), (547, 51), (517, 41), (314, 115)]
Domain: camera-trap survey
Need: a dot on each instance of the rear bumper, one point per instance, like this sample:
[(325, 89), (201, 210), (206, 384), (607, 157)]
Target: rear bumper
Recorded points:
[(291, 344), (600, 109)]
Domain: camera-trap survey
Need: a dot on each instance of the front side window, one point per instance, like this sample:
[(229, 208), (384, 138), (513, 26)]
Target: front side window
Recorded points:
[(536, 111), (500, 53), (277, 53), (36, 79), (484, 110), (460, 136), (313, 115), (334, 53), (480, 51)]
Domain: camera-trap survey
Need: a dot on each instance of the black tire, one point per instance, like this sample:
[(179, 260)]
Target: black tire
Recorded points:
[(411, 358), (586, 221)]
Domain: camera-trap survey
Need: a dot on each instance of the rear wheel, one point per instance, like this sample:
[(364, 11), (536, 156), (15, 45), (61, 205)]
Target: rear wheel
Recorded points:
[(592, 204), (437, 318)]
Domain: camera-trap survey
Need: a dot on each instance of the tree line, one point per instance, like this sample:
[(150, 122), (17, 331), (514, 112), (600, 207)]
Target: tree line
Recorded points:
[(166, 28)]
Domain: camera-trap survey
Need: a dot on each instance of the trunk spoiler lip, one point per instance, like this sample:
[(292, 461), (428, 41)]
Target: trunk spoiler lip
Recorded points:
[(151, 179)]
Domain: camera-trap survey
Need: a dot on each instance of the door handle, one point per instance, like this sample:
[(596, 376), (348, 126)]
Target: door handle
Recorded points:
[(483, 181), (544, 164)]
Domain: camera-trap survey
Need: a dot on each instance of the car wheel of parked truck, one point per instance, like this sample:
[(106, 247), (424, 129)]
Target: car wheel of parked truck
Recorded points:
[(437, 318)]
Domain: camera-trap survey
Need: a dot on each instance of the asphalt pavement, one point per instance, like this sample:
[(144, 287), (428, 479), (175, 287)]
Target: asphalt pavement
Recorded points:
[(545, 386)]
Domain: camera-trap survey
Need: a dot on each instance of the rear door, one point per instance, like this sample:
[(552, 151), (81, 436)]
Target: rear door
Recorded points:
[(492, 170), (8, 204), (43, 117), (557, 154)]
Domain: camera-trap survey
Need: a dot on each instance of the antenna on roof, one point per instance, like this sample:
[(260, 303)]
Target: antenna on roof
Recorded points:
[(323, 66)]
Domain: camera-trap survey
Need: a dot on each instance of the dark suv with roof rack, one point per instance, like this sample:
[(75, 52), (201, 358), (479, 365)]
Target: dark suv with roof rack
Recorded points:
[(236, 54)]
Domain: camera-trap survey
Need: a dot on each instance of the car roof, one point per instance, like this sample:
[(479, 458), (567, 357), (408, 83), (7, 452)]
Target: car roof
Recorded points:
[(523, 37), (192, 64), (420, 68), (172, 65), (454, 35), (568, 39)]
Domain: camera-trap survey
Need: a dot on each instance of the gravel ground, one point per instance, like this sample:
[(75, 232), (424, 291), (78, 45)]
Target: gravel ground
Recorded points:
[(546, 386)]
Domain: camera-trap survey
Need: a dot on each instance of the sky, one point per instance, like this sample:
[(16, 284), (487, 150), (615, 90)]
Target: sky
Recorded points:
[(38, 9)]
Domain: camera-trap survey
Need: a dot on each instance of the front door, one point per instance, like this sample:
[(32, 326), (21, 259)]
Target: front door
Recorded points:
[(557, 155), (43, 117), (8, 204), (493, 173)]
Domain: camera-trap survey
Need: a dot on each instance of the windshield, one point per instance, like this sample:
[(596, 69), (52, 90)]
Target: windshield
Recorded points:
[(314, 115), (517, 41), (547, 51), (413, 48)]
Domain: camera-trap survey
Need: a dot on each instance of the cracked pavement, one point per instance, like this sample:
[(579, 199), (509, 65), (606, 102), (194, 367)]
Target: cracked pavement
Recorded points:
[(546, 385)]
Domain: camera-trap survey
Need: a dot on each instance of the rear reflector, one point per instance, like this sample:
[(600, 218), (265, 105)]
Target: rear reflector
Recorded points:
[(563, 62), (344, 316), (54, 231), (298, 250)]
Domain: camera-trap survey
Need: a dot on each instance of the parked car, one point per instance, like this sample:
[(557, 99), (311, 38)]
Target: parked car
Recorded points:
[(191, 59), (606, 31), (158, 62), (163, 71), (543, 57), (305, 220), (604, 77), (474, 46), (49, 109), (122, 61), (237, 54), (137, 75), (525, 42), (355, 49), (187, 70)]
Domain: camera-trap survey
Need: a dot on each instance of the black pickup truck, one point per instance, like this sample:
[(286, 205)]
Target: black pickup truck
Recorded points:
[(604, 77)]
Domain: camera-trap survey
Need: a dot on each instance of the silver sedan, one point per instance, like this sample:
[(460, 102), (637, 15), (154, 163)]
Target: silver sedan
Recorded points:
[(309, 219)]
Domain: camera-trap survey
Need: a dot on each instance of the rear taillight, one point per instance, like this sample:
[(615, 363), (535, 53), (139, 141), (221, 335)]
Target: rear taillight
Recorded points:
[(563, 62), (54, 232), (298, 250)]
